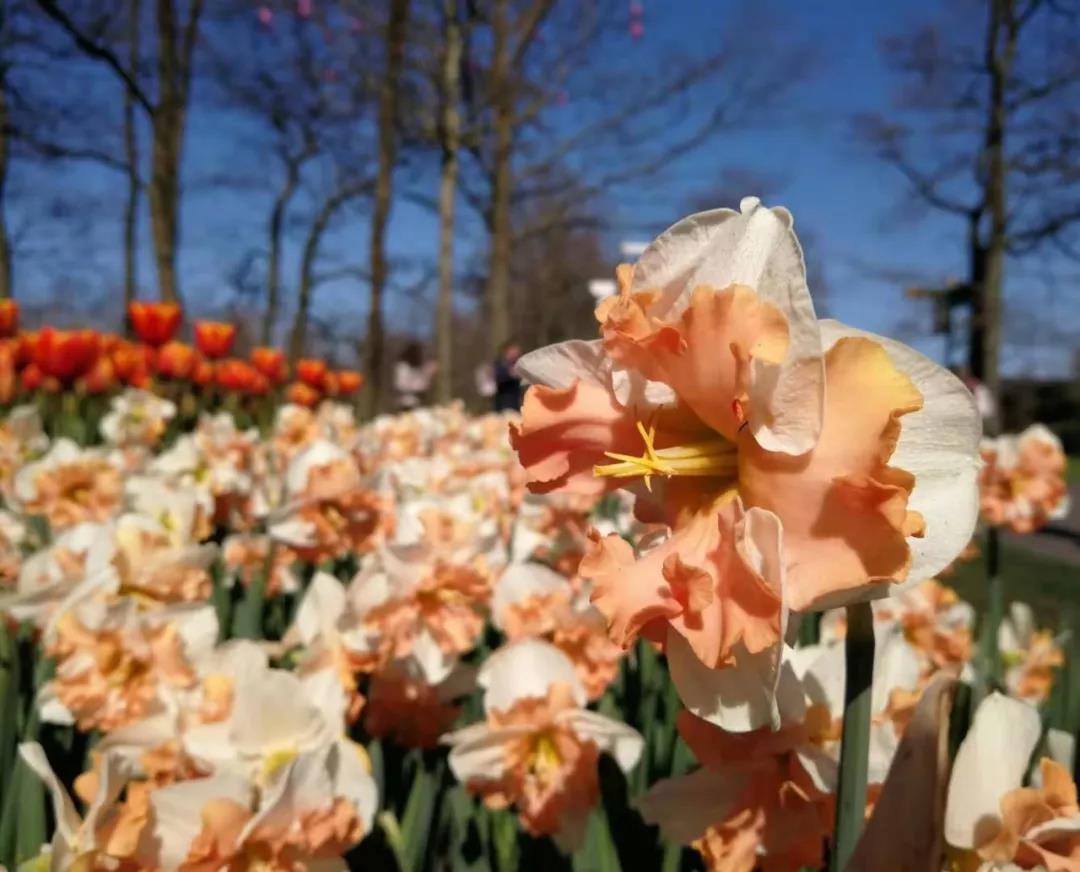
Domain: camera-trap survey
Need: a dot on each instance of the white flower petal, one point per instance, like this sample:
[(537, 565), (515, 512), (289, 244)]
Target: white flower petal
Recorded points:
[(754, 693), (177, 813), (477, 751), (527, 668), (622, 741), (991, 760), (561, 364), (521, 581)]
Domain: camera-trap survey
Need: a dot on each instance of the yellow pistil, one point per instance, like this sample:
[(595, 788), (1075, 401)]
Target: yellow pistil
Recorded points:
[(545, 755), (712, 457)]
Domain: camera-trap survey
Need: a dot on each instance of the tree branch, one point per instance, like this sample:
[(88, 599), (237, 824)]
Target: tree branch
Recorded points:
[(96, 51)]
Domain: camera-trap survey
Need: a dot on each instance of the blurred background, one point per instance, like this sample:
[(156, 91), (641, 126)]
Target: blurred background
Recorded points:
[(345, 178)]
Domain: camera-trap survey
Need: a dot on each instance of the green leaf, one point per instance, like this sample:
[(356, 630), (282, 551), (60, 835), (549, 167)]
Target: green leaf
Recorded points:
[(247, 620)]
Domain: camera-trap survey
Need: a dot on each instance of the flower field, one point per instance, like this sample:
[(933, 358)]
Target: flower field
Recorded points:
[(691, 608)]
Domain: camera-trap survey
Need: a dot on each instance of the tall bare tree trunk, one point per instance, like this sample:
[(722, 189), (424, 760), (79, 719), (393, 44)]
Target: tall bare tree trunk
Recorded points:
[(498, 279), (396, 27), (131, 158), (5, 242), (985, 347), (175, 54), (277, 221), (330, 206), (449, 134)]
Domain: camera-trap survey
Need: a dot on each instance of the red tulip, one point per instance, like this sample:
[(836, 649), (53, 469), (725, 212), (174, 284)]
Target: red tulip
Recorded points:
[(27, 347), (312, 372), (349, 381), (32, 377), (66, 354), (240, 376), (271, 363), (303, 394), (214, 338), (9, 317), (154, 323)]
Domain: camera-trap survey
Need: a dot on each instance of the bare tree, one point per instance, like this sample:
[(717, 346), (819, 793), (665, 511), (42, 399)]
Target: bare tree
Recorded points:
[(345, 192), (450, 139), (5, 158), (527, 148), (177, 33), (389, 90), (131, 158), (290, 79), (987, 132)]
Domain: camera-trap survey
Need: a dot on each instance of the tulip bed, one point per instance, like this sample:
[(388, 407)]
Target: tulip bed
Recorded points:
[(630, 628)]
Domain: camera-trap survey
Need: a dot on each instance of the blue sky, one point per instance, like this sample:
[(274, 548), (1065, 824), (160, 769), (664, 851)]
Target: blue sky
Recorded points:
[(835, 189)]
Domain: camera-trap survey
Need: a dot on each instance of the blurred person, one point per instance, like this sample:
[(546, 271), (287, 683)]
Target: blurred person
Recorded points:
[(507, 395), (412, 377)]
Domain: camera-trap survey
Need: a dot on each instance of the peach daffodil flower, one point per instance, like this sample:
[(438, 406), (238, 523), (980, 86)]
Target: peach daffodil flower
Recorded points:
[(991, 820), (531, 600), (1023, 480), (798, 464), (70, 485), (100, 839), (1032, 656), (537, 748)]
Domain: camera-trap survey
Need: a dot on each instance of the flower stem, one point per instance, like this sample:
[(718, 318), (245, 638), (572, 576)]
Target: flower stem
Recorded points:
[(855, 741), (990, 674)]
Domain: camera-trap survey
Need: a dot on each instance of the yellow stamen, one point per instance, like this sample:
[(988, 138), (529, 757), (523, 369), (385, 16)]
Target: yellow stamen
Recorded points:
[(713, 457), (276, 759)]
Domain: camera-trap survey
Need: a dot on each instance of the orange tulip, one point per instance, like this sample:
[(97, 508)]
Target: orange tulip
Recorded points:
[(32, 377), (240, 376), (349, 381), (302, 394), (176, 360), (154, 323), (312, 372), (132, 363), (203, 373), (9, 317), (8, 373), (67, 354), (214, 338), (101, 378), (271, 363)]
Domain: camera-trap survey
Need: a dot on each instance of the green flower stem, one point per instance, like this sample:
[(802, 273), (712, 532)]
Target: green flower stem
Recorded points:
[(855, 742), (990, 674)]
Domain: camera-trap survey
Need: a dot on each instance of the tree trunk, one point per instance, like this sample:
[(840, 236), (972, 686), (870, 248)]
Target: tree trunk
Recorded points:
[(985, 347), (396, 26), (175, 54), (330, 206), (6, 270), (449, 134), (273, 273), (498, 280), (131, 158)]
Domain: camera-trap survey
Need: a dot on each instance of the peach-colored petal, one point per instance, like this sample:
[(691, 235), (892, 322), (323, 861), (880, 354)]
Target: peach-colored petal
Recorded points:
[(843, 508), (705, 356)]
